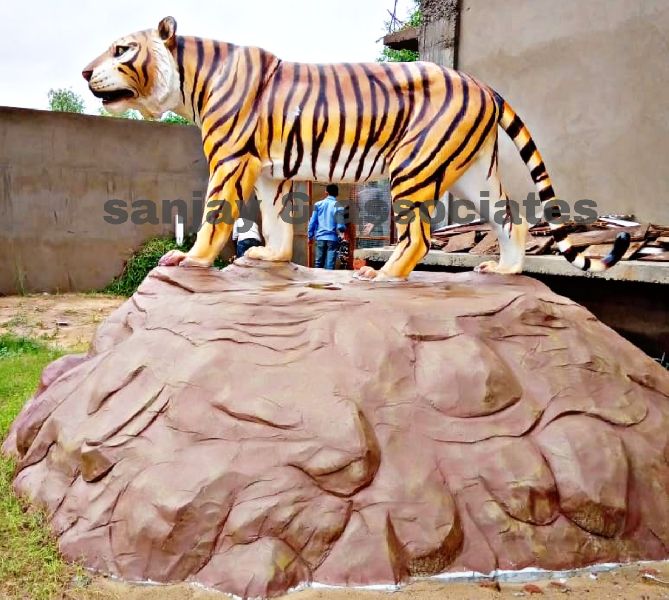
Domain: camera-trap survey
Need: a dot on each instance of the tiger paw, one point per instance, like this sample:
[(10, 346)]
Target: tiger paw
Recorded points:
[(178, 258), (191, 261), (371, 274), (172, 258), (266, 253), (492, 266), (366, 273)]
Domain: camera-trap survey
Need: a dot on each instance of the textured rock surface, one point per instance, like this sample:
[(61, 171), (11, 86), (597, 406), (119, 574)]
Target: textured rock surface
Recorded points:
[(256, 428)]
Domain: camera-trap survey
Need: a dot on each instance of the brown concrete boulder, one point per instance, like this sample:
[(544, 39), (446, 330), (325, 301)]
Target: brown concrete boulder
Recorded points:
[(268, 425)]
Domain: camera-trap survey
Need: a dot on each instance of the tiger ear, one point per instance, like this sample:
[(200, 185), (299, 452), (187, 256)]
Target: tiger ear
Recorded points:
[(167, 29)]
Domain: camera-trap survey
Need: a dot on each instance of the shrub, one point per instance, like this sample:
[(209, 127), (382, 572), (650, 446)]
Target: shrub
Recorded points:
[(146, 258)]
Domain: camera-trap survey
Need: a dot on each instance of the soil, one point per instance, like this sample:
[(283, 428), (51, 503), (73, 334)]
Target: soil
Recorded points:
[(630, 583), (69, 321)]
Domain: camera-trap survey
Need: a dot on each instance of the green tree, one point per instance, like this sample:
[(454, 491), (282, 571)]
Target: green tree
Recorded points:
[(414, 19), (171, 117), (126, 114), (392, 55), (65, 100), (168, 117)]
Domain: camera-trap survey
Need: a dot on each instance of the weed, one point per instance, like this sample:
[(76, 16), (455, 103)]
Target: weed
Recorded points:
[(144, 260), (30, 565)]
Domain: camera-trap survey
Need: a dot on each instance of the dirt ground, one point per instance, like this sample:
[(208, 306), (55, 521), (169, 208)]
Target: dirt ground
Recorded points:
[(632, 582), (69, 321), (64, 320)]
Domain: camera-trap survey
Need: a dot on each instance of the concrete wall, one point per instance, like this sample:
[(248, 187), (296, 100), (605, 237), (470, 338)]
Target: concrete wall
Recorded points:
[(57, 171), (590, 80)]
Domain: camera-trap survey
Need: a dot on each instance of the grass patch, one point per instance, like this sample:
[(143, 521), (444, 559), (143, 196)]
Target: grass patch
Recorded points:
[(146, 258), (30, 565)]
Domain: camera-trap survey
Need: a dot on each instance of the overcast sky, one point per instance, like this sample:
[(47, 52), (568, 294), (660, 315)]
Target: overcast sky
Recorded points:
[(45, 43)]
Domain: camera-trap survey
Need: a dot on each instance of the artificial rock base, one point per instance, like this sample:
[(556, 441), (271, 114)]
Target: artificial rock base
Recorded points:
[(270, 425)]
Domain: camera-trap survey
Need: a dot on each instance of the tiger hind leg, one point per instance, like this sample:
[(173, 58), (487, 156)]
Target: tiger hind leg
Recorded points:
[(510, 227)]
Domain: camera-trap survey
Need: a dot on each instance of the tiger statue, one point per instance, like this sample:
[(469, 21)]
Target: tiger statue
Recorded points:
[(266, 122)]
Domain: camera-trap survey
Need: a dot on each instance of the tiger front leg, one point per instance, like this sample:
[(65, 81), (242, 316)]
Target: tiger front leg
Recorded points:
[(277, 229), (229, 185)]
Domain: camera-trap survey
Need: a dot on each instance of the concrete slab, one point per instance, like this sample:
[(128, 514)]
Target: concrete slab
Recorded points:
[(629, 270)]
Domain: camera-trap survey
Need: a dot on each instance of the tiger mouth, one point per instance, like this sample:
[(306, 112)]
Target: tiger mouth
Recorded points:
[(108, 97)]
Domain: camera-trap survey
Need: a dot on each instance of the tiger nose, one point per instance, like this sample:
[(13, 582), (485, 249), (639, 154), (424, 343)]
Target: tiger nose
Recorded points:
[(87, 74)]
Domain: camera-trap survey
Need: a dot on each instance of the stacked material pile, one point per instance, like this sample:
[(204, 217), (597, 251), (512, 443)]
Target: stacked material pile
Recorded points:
[(649, 242)]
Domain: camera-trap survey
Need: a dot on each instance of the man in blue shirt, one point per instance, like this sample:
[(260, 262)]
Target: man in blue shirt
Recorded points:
[(325, 226)]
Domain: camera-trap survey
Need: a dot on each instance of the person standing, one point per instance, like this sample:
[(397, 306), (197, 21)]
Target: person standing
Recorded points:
[(246, 235), (326, 226)]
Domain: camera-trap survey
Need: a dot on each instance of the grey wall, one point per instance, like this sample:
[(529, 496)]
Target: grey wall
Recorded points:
[(591, 81), (57, 171)]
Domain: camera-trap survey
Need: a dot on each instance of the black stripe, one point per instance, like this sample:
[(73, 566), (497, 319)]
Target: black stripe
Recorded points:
[(514, 127), (234, 110), (248, 148), (131, 62), (404, 212), (279, 189), (560, 233), (425, 94), (398, 115), (439, 173), (498, 100), (620, 246), (229, 48), (546, 194), (538, 172), (405, 236), (482, 138), (217, 189), (373, 133), (424, 210), (493, 159), (127, 68), (413, 173), (230, 63), (359, 112), (215, 60), (418, 139), (251, 122), (270, 116), (247, 67), (295, 135), (341, 109), (382, 124), (211, 110), (392, 148), (199, 44), (320, 108), (570, 254), (145, 68), (238, 183), (528, 150), (425, 91), (586, 264), (180, 65), (297, 67), (555, 212)]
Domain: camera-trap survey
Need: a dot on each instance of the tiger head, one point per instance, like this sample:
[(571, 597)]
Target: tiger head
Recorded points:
[(138, 72)]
